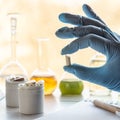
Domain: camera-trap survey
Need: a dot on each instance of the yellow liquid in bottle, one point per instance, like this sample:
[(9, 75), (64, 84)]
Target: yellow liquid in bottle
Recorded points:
[(50, 83)]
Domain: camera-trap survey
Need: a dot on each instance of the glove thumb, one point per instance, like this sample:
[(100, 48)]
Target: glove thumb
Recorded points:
[(86, 73)]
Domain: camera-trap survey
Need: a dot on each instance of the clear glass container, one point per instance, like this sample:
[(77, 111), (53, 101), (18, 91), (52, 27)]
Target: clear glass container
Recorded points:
[(68, 76), (97, 90), (69, 83), (13, 67), (42, 71)]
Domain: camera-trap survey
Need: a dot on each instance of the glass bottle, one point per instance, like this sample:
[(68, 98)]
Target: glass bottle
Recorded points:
[(97, 90), (70, 85), (13, 67), (42, 71)]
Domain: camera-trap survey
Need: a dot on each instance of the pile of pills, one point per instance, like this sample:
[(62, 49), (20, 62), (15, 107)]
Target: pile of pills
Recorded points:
[(16, 78), (12, 83), (32, 83), (31, 97)]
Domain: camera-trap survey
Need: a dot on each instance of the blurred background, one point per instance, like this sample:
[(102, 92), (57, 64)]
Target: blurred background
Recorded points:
[(39, 19)]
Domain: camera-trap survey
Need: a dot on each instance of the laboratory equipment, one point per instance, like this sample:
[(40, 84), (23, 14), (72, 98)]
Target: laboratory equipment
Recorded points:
[(96, 90), (70, 84), (42, 71), (99, 91), (13, 67), (111, 108)]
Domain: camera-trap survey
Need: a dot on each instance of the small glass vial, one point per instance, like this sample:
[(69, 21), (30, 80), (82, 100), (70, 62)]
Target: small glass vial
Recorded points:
[(12, 90), (31, 97)]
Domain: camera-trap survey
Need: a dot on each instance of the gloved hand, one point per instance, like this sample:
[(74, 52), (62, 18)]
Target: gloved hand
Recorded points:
[(92, 32)]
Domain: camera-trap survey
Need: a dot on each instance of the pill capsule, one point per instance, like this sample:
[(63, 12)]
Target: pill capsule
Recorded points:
[(30, 83)]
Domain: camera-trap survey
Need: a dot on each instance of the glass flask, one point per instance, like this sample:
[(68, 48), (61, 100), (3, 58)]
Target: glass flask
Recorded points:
[(97, 90), (70, 84), (42, 71), (13, 67), (70, 87)]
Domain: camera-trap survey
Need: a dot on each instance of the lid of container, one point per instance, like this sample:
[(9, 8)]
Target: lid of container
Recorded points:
[(12, 79)]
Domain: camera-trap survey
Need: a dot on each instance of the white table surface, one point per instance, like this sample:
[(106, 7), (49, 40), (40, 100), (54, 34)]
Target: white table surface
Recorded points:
[(52, 104), (81, 111), (57, 107)]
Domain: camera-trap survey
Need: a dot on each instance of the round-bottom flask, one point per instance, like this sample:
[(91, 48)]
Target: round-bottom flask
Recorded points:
[(70, 85), (42, 71), (50, 81)]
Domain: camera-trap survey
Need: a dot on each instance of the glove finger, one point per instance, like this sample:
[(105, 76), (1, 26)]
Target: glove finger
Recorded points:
[(90, 13), (79, 20), (81, 31), (96, 42), (86, 73)]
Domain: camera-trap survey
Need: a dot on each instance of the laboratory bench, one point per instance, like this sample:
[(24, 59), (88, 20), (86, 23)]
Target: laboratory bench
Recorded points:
[(52, 103), (57, 107)]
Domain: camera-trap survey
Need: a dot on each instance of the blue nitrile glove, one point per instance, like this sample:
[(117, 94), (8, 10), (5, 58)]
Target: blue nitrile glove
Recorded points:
[(92, 32)]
